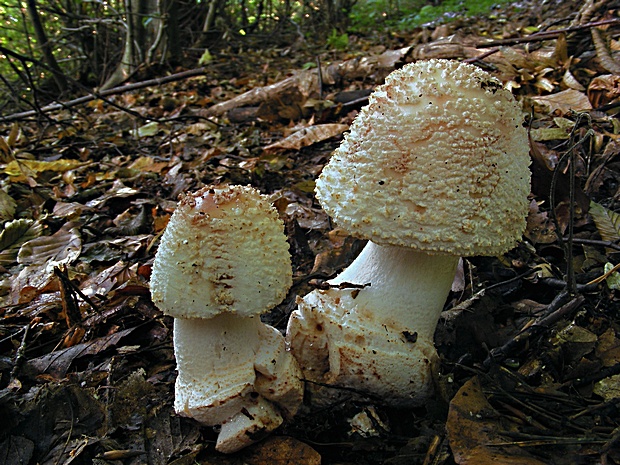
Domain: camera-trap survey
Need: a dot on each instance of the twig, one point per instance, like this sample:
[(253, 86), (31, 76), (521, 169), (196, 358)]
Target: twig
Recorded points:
[(20, 353), (536, 37), (61, 274), (609, 244), (106, 93), (544, 35), (551, 316), (570, 158), (603, 373), (556, 283), (320, 75)]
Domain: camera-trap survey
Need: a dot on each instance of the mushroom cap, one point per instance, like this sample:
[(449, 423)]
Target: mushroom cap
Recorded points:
[(438, 161), (223, 251)]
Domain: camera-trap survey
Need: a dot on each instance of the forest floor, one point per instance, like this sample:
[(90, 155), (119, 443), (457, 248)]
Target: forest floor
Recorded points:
[(529, 342)]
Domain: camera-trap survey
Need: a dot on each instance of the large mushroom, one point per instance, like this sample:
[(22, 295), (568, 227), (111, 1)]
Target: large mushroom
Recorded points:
[(223, 260), (434, 168)]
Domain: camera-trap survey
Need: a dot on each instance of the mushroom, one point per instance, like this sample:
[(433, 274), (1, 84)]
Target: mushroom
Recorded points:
[(435, 167), (223, 260)]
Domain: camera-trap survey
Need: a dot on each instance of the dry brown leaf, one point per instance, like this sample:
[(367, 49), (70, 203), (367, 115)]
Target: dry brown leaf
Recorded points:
[(118, 190), (307, 217), (60, 248), (106, 280), (607, 222), (41, 255), (57, 363), (282, 451), (608, 348), (604, 89), (7, 206), (540, 229), (308, 136), (571, 81), (473, 431), (563, 102), (605, 58)]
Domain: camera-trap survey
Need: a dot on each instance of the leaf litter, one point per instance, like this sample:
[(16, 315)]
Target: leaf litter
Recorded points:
[(530, 372)]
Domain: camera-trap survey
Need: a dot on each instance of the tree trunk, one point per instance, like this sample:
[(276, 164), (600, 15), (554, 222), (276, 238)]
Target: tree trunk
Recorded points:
[(143, 31), (173, 36), (46, 48)]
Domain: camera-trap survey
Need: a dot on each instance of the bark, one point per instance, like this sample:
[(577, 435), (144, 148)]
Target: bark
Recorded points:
[(46, 47), (140, 40)]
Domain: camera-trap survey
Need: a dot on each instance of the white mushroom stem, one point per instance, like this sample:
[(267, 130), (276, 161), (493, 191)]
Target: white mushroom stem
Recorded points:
[(234, 372), (372, 331), (406, 290)]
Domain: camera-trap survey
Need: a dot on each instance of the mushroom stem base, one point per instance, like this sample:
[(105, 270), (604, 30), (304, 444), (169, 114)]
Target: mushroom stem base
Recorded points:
[(235, 372), (375, 337)]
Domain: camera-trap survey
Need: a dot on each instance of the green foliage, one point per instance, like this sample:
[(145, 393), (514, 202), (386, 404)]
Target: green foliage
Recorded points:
[(366, 15), (337, 41), (449, 10), (16, 32), (66, 35)]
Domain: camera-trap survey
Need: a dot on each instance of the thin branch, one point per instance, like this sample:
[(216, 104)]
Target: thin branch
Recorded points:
[(551, 316), (106, 93), (544, 35), (496, 45)]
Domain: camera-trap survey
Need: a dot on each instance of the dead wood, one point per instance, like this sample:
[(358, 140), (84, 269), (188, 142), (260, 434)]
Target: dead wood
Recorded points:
[(307, 83)]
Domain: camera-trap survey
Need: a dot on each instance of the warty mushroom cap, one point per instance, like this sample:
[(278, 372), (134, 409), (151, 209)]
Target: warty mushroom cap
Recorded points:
[(437, 161), (223, 251)]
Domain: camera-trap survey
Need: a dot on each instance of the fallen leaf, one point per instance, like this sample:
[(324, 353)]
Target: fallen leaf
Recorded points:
[(474, 431), (564, 101), (16, 168), (608, 388), (539, 229), (608, 348), (604, 89), (58, 363), (60, 248), (308, 136), (147, 130), (7, 206), (16, 450), (545, 134), (118, 190), (613, 277), (282, 451), (607, 222), (14, 234)]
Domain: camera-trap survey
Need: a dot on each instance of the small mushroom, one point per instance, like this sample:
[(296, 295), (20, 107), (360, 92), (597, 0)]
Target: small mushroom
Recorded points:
[(223, 260), (434, 168)]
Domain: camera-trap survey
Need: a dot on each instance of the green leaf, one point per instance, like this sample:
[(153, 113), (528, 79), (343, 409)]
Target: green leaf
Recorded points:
[(205, 58), (338, 41), (148, 130), (607, 222), (613, 280)]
